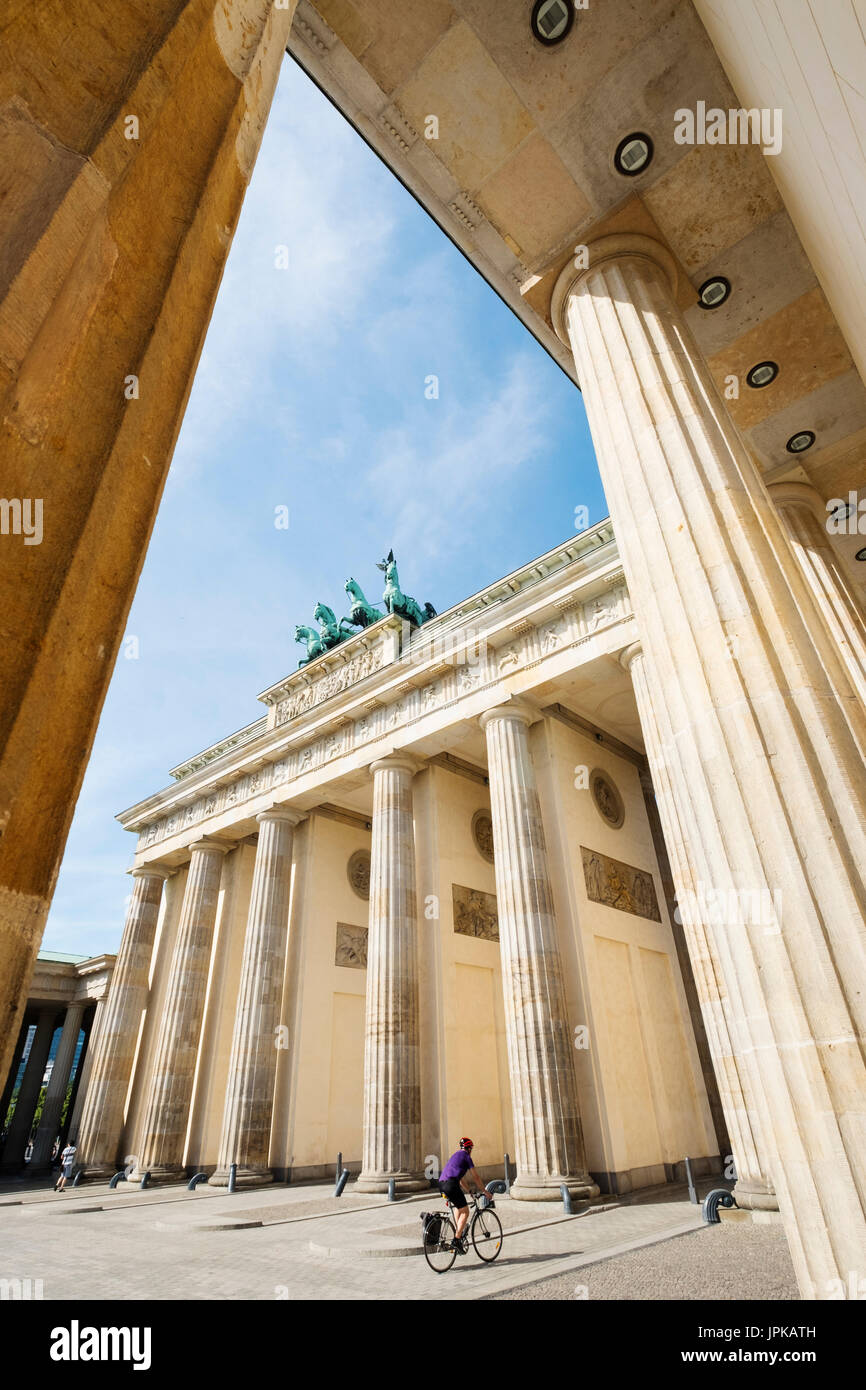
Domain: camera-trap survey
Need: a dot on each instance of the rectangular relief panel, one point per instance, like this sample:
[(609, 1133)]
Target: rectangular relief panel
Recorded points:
[(619, 885), (475, 912)]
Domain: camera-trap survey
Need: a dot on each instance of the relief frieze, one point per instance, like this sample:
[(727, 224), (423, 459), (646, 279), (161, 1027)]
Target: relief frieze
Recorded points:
[(614, 884)]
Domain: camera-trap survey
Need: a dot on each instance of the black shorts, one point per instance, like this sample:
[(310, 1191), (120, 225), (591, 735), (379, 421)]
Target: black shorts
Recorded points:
[(453, 1191)]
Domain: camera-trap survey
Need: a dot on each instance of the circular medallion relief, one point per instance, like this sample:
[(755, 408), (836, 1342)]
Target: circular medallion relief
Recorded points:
[(358, 872), (482, 834), (608, 801)]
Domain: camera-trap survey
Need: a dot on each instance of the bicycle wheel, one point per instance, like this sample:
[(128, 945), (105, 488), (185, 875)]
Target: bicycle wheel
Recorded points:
[(438, 1254), (486, 1235)]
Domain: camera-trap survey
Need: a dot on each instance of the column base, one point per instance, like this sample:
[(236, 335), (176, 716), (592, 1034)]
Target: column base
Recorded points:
[(581, 1189), (753, 1195), (403, 1182), (245, 1177), (159, 1175), (100, 1172)]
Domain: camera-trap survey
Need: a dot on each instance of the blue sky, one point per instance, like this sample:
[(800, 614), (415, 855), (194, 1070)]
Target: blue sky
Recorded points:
[(310, 395)]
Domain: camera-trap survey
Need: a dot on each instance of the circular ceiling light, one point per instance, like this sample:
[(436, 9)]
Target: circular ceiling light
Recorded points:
[(800, 442), (861, 554), (552, 20), (714, 292), (762, 374), (843, 511), (633, 154)]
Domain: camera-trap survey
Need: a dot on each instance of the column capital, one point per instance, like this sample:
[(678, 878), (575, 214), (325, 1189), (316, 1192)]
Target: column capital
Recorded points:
[(407, 761), (619, 246), (629, 654), (151, 871), (215, 846), (792, 493), (287, 814), (518, 710)]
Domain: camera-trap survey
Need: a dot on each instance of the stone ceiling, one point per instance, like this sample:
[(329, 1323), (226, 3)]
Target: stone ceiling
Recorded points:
[(522, 171)]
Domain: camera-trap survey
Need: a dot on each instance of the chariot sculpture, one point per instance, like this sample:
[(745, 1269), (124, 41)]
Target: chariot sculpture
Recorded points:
[(332, 631)]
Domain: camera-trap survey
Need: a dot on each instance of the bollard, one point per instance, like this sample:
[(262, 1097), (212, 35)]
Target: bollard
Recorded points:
[(507, 1178), (392, 1189), (341, 1181), (693, 1196), (194, 1182), (145, 1181), (233, 1173), (78, 1176), (719, 1197), (566, 1199), (118, 1177)]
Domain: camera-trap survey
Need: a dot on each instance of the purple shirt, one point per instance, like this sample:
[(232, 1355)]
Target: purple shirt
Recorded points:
[(458, 1165)]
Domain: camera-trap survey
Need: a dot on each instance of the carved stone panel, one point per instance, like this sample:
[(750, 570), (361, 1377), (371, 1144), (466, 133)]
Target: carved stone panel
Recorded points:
[(351, 949), (619, 885), (358, 872), (475, 912), (482, 834)]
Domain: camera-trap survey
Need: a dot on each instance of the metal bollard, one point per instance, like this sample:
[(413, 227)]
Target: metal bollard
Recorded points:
[(566, 1199), (233, 1174), (719, 1197), (194, 1182), (392, 1189), (507, 1178), (341, 1181), (118, 1177), (693, 1196), (145, 1181), (78, 1176)]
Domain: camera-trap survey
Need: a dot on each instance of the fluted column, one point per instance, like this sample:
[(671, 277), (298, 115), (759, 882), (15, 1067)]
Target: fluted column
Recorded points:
[(246, 1131), (127, 147), (109, 1073), (392, 1090), (764, 733), (55, 1095), (805, 519), (754, 1188), (547, 1127), (31, 1083), (166, 1113)]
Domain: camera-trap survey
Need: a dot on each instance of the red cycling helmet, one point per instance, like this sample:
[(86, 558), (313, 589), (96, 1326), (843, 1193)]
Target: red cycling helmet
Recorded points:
[(466, 1144)]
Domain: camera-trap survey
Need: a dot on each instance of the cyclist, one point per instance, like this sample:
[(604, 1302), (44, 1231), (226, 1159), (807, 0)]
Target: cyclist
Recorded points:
[(453, 1183)]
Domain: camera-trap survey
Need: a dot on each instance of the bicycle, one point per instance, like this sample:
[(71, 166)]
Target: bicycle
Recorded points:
[(440, 1233)]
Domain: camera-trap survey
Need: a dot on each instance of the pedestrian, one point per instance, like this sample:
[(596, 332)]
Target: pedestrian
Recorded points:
[(67, 1163)]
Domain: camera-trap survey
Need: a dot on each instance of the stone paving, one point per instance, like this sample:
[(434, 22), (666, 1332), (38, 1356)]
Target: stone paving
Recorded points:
[(301, 1243)]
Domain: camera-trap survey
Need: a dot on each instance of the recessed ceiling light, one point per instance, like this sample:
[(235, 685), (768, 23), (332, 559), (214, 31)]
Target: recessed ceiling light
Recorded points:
[(861, 554), (714, 292), (762, 374), (552, 20), (843, 511), (800, 442), (633, 154)]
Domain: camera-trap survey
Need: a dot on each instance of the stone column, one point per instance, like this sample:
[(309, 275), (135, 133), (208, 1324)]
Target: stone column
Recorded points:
[(126, 148), (547, 1131), (754, 1188), (31, 1083), (249, 1104), (55, 1095), (102, 1116), (392, 1090), (12, 1075), (166, 1113), (764, 733), (805, 520)]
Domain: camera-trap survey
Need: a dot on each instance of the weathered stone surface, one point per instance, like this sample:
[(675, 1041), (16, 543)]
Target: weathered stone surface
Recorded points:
[(113, 249), (392, 1091), (101, 1124), (764, 732), (249, 1103), (547, 1125)]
